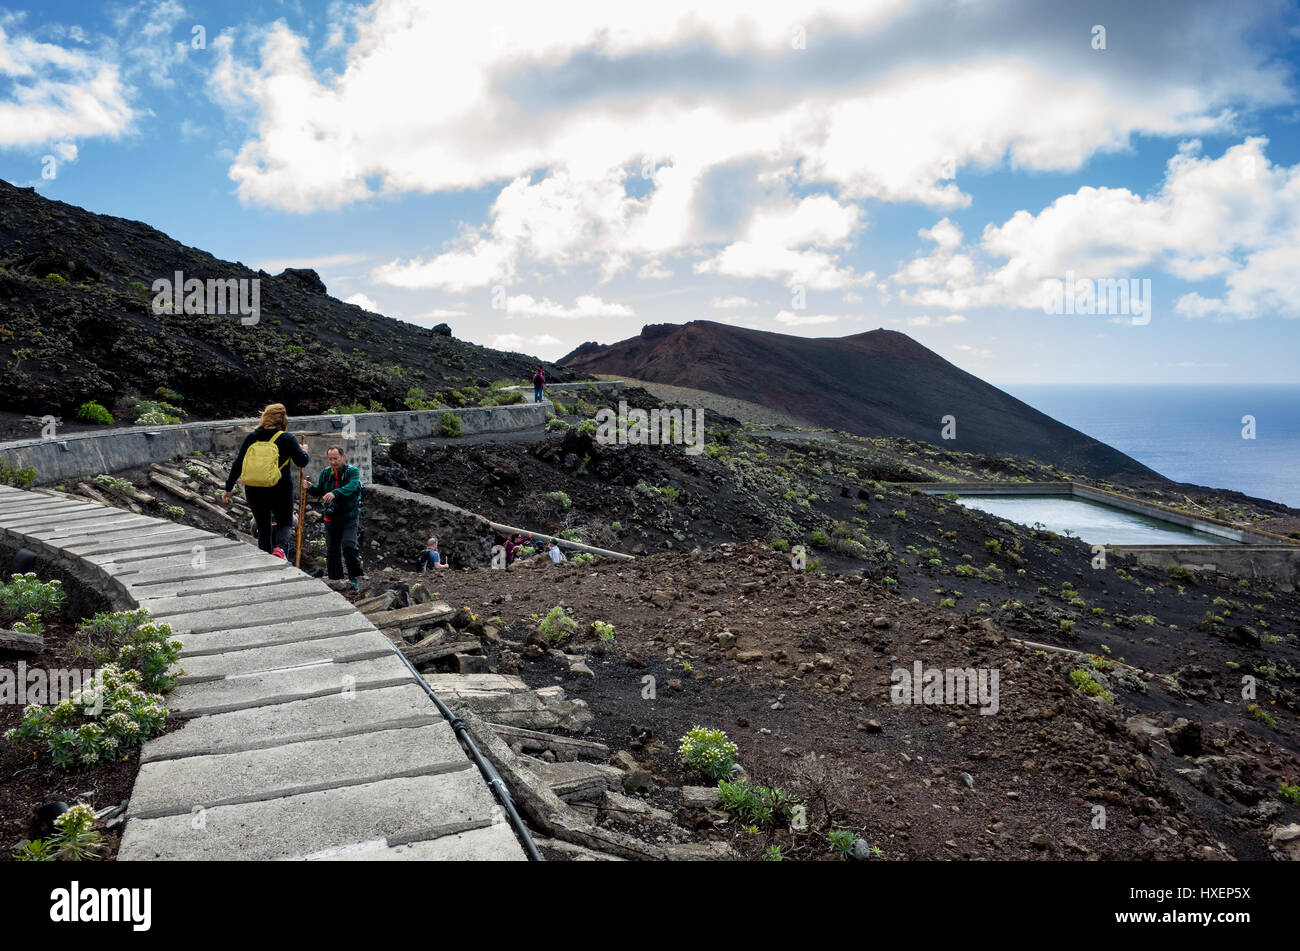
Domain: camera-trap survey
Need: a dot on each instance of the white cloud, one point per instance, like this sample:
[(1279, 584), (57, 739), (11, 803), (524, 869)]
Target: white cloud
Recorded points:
[(791, 319), (147, 30), (731, 303), (276, 265), (364, 302), (1235, 218), (525, 305), (58, 93), (521, 343), (567, 105)]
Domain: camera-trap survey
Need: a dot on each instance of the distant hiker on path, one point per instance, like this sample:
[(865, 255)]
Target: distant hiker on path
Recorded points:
[(539, 385), (263, 467), (430, 557), (339, 488)]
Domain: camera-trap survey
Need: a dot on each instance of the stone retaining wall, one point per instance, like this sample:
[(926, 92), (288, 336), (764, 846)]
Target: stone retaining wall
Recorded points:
[(88, 454)]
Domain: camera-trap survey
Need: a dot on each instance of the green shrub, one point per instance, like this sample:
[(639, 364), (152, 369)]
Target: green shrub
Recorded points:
[(780, 544), (604, 631), (557, 625), (133, 641), (555, 424), (25, 594), (1290, 792), (93, 412), (417, 399), (18, 478), (820, 538), (587, 426), (843, 840), (153, 412), (708, 751), (348, 409), (113, 483), (757, 806), (1262, 715), (98, 724), (449, 425), (1083, 681), (175, 511), (55, 279), (75, 839), (560, 498)]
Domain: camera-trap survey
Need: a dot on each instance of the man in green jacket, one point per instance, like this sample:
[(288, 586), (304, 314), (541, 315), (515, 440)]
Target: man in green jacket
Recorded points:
[(339, 488)]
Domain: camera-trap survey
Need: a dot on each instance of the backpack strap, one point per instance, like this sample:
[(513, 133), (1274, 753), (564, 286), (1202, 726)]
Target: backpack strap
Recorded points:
[(275, 441)]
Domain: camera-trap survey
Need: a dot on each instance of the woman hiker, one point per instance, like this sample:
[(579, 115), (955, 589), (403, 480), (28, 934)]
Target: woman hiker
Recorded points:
[(263, 467)]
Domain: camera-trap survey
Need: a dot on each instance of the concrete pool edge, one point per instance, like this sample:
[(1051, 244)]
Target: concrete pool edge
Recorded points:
[(1253, 553), (1207, 525)]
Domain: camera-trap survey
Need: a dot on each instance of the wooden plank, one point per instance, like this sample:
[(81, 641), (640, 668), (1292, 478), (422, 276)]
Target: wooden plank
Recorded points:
[(428, 613), (177, 490), (93, 494), (423, 653), (15, 642), (532, 739), (379, 602)]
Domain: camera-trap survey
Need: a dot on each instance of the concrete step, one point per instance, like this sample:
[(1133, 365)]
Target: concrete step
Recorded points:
[(319, 603), (164, 555), (141, 540), (257, 577), (498, 698), (80, 516), (32, 501), (268, 635), (396, 811), (317, 718), (284, 686), (335, 650), (285, 595), (113, 530), (216, 564), (493, 844), (174, 787)]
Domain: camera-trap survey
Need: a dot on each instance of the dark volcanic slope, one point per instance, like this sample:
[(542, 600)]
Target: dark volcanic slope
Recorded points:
[(72, 327), (880, 383)]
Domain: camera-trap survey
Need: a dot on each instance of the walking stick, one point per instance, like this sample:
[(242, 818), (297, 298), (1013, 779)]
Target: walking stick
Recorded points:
[(302, 512)]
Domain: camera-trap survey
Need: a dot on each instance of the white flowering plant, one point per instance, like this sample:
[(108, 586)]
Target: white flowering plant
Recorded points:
[(98, 724), (132, 640), (708, 751), (25, 594)]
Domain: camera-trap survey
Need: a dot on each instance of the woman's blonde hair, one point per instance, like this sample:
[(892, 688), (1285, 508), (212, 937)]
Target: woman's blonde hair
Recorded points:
[(275, 417)]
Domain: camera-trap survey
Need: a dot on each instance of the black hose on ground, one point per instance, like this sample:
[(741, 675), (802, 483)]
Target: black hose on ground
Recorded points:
[(490, 774)]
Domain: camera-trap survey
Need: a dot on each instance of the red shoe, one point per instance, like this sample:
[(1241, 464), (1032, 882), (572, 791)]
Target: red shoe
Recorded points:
[(279, 553)]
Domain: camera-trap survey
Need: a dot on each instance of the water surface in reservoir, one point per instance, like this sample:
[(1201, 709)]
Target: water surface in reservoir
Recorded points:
[(1092, 522)]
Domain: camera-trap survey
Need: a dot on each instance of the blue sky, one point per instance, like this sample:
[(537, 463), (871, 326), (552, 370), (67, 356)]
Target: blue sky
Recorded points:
[(539, 178)]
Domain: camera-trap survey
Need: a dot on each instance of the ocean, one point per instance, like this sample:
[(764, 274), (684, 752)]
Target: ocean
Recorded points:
[(1190, 433)]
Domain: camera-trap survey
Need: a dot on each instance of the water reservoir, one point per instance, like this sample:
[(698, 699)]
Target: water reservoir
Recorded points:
[(1093, 522)]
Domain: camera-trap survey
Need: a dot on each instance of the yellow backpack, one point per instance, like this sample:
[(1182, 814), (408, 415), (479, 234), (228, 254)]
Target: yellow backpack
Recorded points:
[(262, 463)]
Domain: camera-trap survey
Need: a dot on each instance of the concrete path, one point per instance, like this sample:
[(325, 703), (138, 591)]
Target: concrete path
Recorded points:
[(306, 736)]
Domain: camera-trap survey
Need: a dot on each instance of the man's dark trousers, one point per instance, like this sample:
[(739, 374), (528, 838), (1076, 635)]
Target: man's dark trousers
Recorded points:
[(342, 535)]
